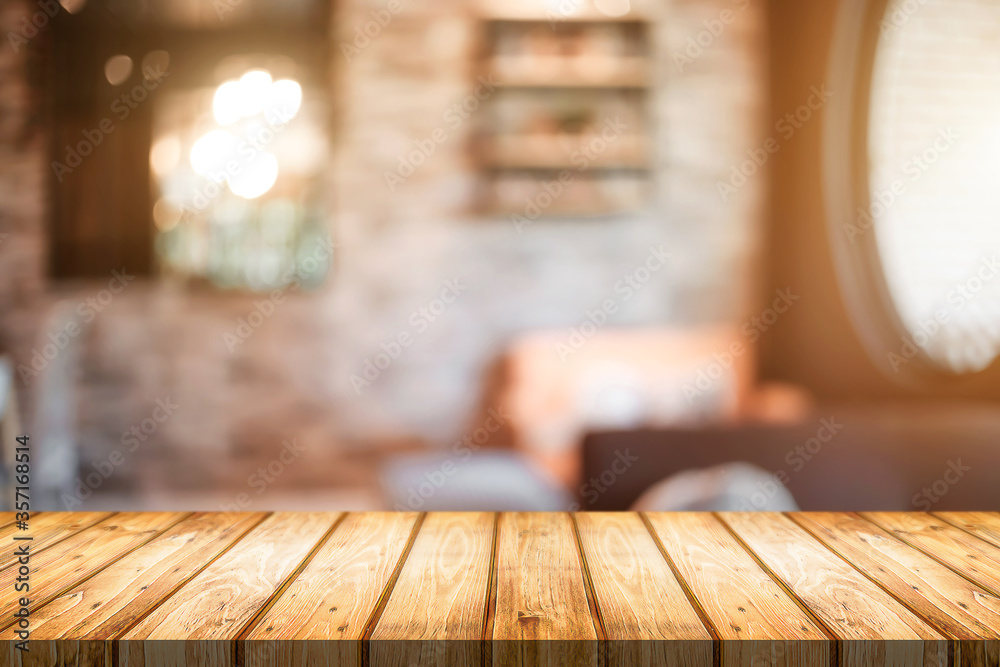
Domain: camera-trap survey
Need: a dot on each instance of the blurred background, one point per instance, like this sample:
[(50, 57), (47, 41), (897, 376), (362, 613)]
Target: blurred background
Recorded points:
[(519, 254)]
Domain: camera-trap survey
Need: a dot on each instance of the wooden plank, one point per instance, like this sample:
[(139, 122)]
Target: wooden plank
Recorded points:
[(646, 615), (46, 529), (333, 598), (542, 614), (872, 626), (108, 603), (970, 556), (204, 618), (984, 525), (756, 621), (80, 555), (59, 654), (959, 608), (436, 613)]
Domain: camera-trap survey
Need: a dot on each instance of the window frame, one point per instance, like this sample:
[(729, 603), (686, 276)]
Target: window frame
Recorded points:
[(859, 269)]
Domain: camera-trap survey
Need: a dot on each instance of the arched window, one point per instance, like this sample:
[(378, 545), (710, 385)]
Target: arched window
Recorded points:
[(922, 237)]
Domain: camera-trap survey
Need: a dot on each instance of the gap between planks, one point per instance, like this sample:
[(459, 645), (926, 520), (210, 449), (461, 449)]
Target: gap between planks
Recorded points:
[(792, 516), (994, 590), (280, 590), (834, 638), (383, 600), (69, 534), (66, 589), (115, 647), (588, 584), (945, 518), (688, 592)]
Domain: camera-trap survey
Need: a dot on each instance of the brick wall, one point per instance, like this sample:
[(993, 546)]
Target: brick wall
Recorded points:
[(22, 185), (400, 252)]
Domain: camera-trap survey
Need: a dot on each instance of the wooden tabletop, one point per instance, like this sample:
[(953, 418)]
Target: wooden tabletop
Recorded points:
[(510, 588)]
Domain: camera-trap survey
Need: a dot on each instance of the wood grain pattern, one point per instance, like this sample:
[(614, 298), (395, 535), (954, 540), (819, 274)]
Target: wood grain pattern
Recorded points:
[(333, 598), (436, 612), (960, 609), (983, 525), (395, 589), (210, 611), (968, 555), (646, 616), (757, 621), (862, 615), (111, 601), (80, 555), (46, 529), (541, 594)]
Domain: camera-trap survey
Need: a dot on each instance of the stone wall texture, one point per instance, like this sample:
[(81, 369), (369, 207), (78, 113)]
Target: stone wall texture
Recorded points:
[(400, 252)]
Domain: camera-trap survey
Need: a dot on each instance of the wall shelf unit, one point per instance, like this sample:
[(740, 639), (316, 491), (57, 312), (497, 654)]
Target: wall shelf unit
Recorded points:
[(570, 106)]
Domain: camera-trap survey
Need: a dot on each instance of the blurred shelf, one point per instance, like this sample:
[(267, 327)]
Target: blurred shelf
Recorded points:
[(565, 152), (533, 80), (562, 212), (565, 11), (579, 72), (570, 138), (555, 18)]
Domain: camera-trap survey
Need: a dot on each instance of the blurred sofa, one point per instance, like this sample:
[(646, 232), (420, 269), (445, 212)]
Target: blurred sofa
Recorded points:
[(911, 457), (554, 387)]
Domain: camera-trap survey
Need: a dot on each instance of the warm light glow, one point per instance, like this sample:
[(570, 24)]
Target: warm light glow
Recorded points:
[(301, 149), (117, 69), (210, 154), (613, 7), (934, 134), (227, 106), (255, 93), (255, 88), (564, 7), (256, 177), (285, 99), (165, 155), (72, 6), (155, 63), (165, 215)]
